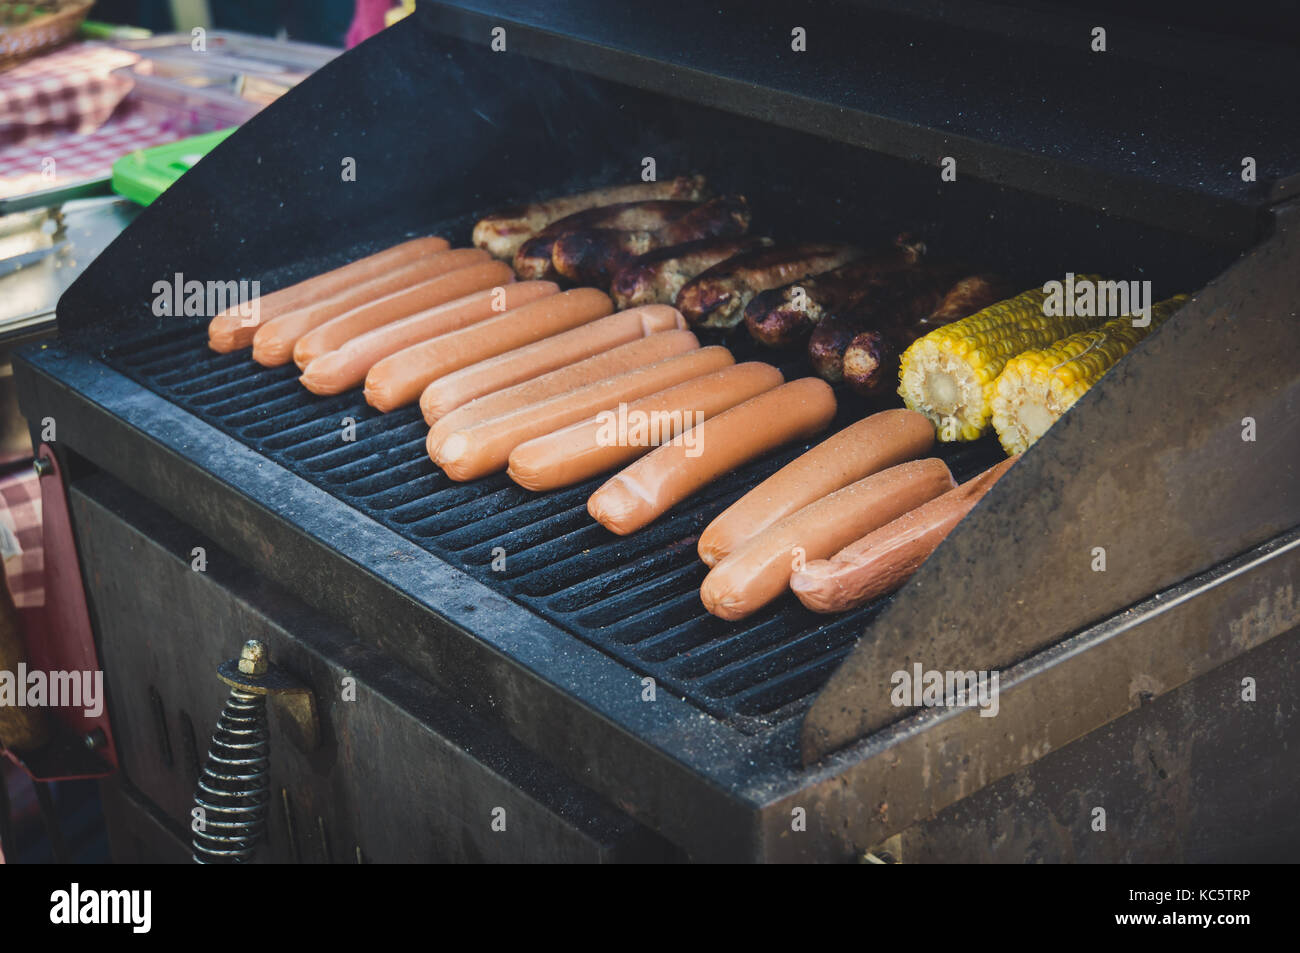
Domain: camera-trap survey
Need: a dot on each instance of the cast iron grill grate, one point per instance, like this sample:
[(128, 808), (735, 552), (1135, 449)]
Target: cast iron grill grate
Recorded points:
[(636, 598)]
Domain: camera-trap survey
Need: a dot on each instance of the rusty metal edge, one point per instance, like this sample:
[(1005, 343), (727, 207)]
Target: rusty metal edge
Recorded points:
[(862, 795)]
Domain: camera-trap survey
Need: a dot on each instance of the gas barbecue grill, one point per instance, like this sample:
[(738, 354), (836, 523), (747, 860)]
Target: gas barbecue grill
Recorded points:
[(512, 659)]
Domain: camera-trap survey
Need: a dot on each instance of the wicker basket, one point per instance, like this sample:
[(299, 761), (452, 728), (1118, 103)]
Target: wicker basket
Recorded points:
[(32, 27)]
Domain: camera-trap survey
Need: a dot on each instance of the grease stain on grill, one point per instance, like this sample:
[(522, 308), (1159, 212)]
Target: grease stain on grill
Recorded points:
[(634, 597)]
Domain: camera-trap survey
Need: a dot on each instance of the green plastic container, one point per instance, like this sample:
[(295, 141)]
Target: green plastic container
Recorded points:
[(145, 174)]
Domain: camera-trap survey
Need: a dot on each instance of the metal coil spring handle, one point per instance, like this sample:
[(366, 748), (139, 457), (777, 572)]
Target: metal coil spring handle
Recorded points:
[(231, 799)]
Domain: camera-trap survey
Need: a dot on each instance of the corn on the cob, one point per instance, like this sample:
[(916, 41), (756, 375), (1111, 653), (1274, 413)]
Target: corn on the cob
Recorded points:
[(948, 375), (1037, 387)]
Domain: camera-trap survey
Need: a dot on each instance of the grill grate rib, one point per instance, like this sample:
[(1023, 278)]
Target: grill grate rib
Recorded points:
[(635, 597)]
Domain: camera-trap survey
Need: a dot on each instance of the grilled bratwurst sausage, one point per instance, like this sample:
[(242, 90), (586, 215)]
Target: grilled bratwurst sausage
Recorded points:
[(786, 316), (871, 358), (533, 260), (591, 256), (502, 232), (760, 570), (885, 558), (669, 474), (656, 277), (875, 443), (230, 330), (901, 297), (717, 298)]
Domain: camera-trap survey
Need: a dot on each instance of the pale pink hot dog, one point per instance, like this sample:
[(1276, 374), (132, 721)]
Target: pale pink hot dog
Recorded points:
[(885, 558), (522, 364)]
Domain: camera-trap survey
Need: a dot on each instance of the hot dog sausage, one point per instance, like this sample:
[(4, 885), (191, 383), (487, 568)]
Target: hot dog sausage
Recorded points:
[(533, 260), (336, 332), (760, 570), (785, 316), (485, 447), (502, 232), (611, 363), (646, 489), (400, 378), (658, 276), (230, 331), (591, 256), (346, 367), (875, 443), (273, 343), (522, 364), (717, 298), (885, 558), (593, 446)]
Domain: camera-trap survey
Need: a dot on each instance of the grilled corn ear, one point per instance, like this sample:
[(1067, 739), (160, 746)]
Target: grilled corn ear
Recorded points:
[(948, 375), (1037, 387)]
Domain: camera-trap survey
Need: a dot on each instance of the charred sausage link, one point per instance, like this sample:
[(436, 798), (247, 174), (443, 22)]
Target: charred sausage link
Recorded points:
[(717, 298), (785, 316), (657, 277), (591, 256)]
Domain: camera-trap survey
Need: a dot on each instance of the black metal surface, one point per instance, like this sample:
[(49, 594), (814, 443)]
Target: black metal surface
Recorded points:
[(402, 775), (1105, 673), (636, 598)]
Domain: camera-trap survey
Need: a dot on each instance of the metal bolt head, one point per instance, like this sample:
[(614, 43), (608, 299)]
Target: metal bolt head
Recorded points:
[(95, 739), (42, 467), (254, 658)]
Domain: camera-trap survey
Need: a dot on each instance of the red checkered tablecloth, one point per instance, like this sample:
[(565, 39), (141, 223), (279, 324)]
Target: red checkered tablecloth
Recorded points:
[(22, 537), (74, 157), (70, 90), (63, 119)]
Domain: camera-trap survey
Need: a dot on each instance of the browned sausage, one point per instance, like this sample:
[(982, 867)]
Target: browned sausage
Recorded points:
[(717, 298), (871, 357), (760, 570), (591, 256), (533, 259), (657, 277), (783, 317), (899, 298), (502, 232), (885, 558)]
